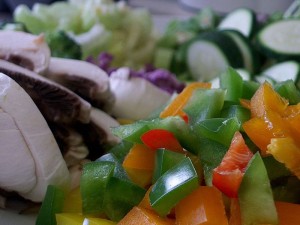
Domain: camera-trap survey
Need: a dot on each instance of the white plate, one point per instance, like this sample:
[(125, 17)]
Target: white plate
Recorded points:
[(13, 218)]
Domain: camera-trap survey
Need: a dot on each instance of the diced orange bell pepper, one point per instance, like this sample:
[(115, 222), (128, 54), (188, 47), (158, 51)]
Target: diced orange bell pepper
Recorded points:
[(139, 164), (292, 117), (286, 151), (262, 129), (139, 215), (288, 213), (175, 108), (204, 206), (145, 203), (266, 99), (245, 103)]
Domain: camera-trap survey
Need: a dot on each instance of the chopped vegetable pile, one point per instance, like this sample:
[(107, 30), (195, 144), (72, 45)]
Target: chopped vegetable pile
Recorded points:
[(224, 150), (211, 156)]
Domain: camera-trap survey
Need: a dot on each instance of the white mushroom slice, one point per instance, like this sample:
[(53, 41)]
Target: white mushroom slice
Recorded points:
[(24, 49), (84, 78), (30, 157), (136, 98), (56, 102), (106, 122)]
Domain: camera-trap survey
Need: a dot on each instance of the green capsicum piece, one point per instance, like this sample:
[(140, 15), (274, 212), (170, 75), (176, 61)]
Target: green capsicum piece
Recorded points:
[(204, 104), (218, 129), (94, 178), (131, 132), (249, 88), (172, 186), (120, 197), (236, 111), (211, 154), (119, 171), (288, 90), (255, 195), (121, 150), (165, 160), (53, 203), (232, 82)]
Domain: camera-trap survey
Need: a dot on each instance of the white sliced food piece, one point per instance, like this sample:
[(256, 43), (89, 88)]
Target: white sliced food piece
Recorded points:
[(136, 98), (56, 102), (84, 78), (27, 50), (106, 122), (30, 157)]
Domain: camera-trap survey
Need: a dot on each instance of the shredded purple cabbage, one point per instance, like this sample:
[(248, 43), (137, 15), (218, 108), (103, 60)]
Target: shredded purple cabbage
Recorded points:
[(161, 78)]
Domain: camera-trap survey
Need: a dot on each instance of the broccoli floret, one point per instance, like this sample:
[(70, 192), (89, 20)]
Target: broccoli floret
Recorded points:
[(63, 46)]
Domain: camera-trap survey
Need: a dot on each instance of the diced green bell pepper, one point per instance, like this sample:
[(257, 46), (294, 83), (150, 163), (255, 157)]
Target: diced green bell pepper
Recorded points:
[(255, 195), (204, 104), (121, 150), (94, 178), (53, 203), (120, 197), (210, 155), (218, 129), (232, 82), (119, 171), (165, 160), (237, 111), (131, 132), (288, 90), (172, 186), (249, 88)]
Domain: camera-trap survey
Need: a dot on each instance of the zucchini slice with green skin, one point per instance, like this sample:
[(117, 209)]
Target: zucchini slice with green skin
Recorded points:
[(250, 56), (241, 19), (280, 40), (210, 54), (288, 70)]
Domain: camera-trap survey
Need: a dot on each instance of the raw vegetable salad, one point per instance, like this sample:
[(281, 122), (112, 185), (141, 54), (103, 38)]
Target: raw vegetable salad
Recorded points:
[(223, 151), (211, 156)]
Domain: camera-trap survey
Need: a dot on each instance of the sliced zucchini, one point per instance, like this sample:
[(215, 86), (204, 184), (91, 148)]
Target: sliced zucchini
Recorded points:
[(281, 40), (288, 70), (250, 56), (264, 78), (241, 19), (210, 54)]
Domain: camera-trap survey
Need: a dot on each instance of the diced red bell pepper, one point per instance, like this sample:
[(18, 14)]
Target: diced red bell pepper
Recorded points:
[(160, 138), (228, 175)]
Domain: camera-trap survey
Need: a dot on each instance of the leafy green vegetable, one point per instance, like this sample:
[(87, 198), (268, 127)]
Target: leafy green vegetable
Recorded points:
[(63, 46)]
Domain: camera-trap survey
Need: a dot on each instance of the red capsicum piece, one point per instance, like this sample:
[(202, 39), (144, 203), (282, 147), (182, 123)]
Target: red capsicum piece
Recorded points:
[(160, 138), (228, 175)]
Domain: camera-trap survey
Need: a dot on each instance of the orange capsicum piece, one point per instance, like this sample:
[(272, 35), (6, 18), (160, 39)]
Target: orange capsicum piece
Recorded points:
[(139, 164), (267, 99), (175, 108), (203, 206), (139, 215), (288, 213)]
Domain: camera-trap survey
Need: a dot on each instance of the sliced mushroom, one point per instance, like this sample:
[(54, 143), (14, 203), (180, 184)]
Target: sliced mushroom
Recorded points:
[(30, 157), (56, 102), (24, 49), (84, 78), (79, 141)]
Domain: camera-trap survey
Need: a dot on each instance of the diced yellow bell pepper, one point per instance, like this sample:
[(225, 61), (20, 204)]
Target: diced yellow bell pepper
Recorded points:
[(286, 151)]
